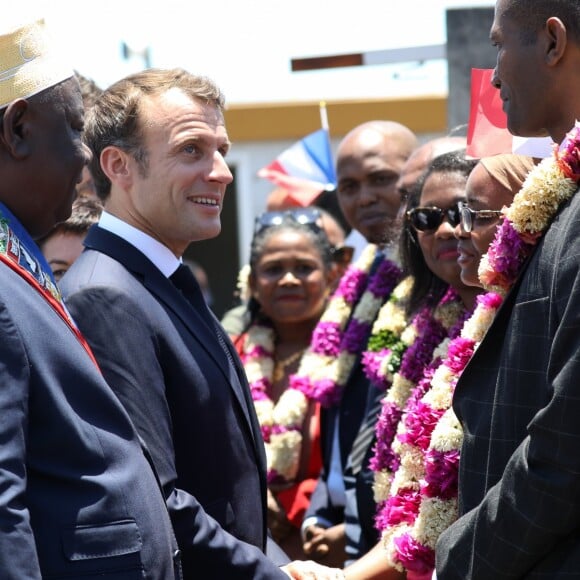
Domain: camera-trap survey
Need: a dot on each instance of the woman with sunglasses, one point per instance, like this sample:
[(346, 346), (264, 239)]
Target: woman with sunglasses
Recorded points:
[(428, 245), (291, 275), (490, 186), (429, 255)]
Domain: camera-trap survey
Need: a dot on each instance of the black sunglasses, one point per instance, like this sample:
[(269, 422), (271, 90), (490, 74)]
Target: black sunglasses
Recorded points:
[(342, 254), (428, 219), (305, 216), (468, 217)]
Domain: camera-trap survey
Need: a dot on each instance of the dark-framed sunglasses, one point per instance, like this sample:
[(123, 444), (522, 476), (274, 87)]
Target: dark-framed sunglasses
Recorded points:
[(468, 217), (342, 254), (306, 216), (428, 219)]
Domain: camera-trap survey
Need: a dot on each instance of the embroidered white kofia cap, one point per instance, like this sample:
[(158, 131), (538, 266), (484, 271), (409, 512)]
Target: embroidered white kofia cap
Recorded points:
[(29, 62)]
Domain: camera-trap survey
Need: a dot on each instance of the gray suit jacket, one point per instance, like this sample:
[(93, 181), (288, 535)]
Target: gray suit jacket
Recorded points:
[(519, 403), (78, 498)]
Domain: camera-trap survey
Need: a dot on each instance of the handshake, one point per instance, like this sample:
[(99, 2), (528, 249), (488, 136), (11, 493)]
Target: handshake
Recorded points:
[(321, 543), (309, 570)]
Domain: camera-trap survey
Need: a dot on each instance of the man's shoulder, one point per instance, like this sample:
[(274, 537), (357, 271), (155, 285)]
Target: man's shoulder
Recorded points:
[(18, 299), (559, 249), (94, 269)]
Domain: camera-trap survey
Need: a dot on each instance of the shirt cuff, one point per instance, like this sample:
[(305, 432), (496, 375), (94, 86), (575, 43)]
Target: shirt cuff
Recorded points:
[(313, 521)]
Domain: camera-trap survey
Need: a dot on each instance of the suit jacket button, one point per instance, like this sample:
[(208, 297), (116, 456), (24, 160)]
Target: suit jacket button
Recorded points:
[(176, 555)]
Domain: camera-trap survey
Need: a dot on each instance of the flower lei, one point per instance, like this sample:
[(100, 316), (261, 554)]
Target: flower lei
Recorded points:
[(423, 495), (387, 341), (326, 366), (426, 331), (422, 499)]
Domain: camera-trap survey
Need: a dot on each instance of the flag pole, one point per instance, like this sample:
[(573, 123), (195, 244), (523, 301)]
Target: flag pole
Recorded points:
[(324, 124), (323, 116)]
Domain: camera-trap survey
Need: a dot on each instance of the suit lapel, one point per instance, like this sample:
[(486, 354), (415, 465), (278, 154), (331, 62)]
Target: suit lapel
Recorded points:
[(493, 339), (149, 275)]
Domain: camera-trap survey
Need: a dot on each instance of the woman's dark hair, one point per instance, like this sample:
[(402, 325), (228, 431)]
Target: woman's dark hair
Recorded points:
[(428, 288), (311, 230)]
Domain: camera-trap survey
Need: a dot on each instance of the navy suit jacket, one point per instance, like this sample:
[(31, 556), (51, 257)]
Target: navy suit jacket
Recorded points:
[(78, 498), (189, 401), (519, 404)]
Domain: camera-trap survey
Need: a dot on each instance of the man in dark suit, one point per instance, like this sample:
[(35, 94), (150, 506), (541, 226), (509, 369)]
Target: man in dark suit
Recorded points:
[(78, 498), (369, 162), (519, 398), (159, 144)]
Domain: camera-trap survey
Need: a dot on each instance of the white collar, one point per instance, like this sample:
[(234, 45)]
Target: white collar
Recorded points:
[(159, 254)]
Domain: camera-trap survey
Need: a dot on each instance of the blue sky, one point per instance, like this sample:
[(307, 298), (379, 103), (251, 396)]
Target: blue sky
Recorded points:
[(246, 45)]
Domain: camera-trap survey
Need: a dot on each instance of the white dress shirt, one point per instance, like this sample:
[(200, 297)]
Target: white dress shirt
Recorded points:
[(159, 254)]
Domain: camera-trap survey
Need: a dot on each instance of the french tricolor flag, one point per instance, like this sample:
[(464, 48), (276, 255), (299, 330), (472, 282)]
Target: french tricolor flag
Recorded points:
[(487, 132), (305, 169)]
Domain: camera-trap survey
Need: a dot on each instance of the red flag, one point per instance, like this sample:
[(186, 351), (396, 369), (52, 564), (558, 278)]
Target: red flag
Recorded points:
[(487, 132)]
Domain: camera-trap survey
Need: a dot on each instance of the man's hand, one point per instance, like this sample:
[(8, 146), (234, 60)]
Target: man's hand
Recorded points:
[(326, 545), (309, 570)]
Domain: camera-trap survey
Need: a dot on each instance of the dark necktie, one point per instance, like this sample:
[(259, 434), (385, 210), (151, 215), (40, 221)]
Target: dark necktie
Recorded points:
[(184, 280)]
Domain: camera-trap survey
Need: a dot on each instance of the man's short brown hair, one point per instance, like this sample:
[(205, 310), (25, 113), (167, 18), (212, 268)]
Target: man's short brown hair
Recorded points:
[(114, 118)]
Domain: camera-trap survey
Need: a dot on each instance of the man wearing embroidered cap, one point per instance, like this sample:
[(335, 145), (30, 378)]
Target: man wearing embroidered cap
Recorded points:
[(518, 399), (78, 497)]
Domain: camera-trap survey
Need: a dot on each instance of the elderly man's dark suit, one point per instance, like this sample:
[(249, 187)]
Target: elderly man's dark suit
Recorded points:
[(78, 498), (176, 372), (519, 403)]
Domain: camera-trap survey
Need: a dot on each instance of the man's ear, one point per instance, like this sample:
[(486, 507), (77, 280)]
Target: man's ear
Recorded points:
[(13, 129), (118, 166), (557, 39)]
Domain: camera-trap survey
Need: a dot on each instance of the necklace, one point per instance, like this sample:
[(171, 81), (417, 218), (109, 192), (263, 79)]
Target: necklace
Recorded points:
[(422, 502), (281, 365)]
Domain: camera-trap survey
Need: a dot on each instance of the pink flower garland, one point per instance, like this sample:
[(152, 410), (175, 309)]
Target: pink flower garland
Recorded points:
[(431, 325), (326, 366), (410, 535), (281, 423), (386, 459), (426, 472)]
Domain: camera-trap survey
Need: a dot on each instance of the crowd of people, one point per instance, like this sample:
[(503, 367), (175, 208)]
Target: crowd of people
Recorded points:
[(411, 413)]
